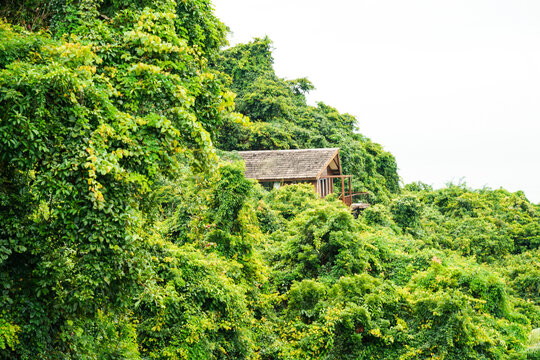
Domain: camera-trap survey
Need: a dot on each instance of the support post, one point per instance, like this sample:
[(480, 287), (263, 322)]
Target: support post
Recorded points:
[(343, 189), (350, 192)]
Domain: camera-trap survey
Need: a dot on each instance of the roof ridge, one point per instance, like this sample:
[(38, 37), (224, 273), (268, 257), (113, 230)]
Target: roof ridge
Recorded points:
[(289, 150)]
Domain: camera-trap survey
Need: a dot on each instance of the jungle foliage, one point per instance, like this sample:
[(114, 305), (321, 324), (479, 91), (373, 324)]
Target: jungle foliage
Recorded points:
[(281, 119), (130, 232)]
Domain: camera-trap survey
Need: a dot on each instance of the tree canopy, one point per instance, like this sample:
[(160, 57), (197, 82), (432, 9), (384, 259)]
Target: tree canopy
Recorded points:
[(129, 230)]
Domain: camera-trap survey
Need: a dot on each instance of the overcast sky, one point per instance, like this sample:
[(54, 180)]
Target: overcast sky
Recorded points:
[(451, 88)]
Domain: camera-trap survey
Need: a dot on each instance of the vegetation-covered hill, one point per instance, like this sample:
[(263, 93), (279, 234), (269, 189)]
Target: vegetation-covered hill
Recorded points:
[(124, 235), (281, 119)]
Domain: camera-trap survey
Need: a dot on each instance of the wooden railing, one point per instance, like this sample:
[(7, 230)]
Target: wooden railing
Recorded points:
[(345, 196), (348, 199)]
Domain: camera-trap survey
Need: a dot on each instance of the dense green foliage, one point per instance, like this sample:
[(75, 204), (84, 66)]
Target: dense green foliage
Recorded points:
[(124, 236), (281, 119), (90, 122), (368, 289)]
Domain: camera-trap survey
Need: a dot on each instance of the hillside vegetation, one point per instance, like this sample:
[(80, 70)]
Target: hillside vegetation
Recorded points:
[(129, 230)]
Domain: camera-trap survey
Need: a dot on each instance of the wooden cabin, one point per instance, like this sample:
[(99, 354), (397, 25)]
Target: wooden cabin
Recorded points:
[(320, 167)]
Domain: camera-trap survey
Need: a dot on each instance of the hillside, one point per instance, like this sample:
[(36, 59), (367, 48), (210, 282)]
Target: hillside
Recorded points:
[(129, 230), (281, 119)]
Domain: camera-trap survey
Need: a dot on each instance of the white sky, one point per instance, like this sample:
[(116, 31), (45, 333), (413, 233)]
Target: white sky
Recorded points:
[(451, 88)]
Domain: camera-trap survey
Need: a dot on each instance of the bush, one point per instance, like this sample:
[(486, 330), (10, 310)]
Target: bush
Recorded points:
[(406, 211)]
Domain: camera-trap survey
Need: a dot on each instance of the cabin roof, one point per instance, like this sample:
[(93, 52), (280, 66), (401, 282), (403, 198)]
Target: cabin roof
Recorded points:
[(303, 164)]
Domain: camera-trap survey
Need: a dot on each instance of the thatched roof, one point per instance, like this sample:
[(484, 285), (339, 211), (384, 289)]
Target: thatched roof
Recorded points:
[(304, 164)]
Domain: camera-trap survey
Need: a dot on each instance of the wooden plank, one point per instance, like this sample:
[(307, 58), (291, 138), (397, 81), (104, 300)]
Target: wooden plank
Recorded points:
[(335, 176), (360, 205), (343, 189)]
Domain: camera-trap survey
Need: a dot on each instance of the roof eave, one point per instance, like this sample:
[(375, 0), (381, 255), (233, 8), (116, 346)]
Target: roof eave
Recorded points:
[(328, 163)]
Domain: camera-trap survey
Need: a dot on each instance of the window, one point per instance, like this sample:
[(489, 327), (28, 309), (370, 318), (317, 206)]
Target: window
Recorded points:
[(267, 185)]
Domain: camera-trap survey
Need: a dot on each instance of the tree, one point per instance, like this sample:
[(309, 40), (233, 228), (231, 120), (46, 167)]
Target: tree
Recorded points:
[(91, 118)]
